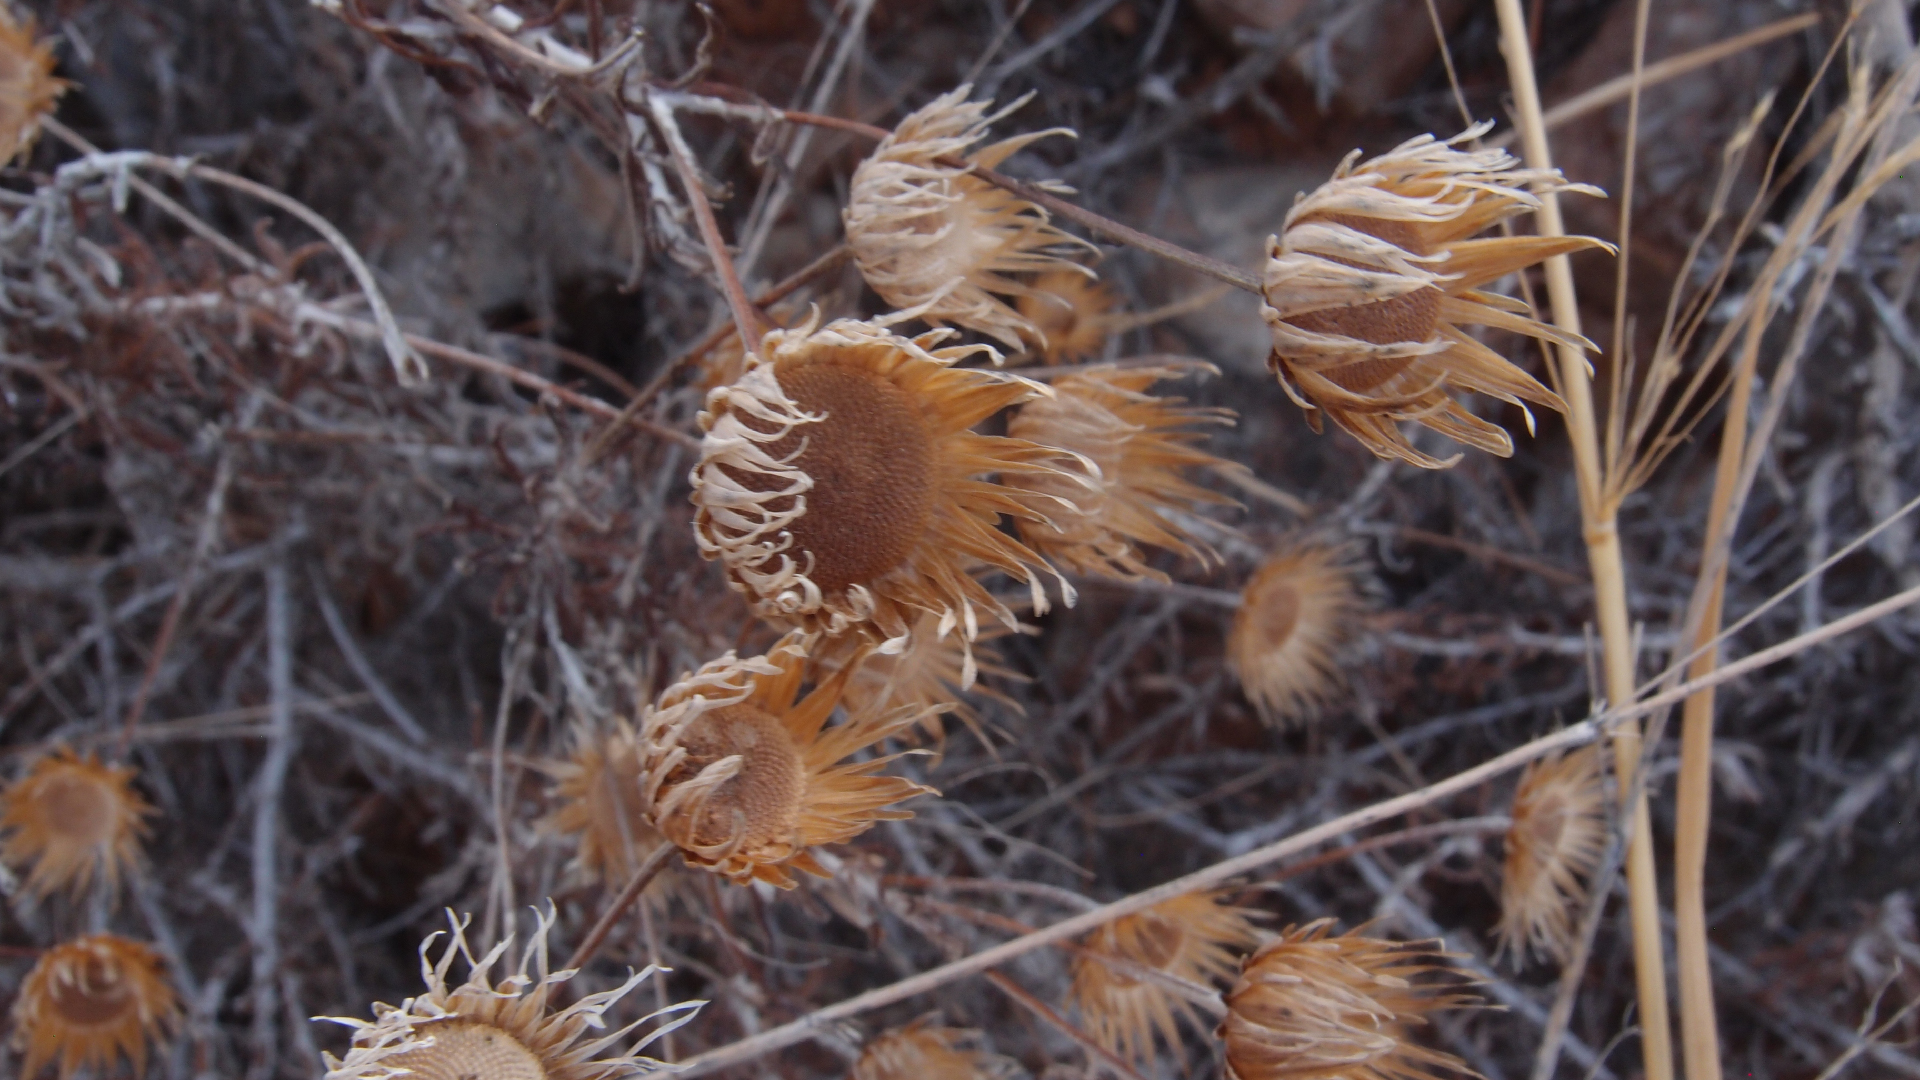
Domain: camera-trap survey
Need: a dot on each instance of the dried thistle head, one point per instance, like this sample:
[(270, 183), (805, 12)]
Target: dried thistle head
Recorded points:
[(1073, 313), (744, 778), (27, 86), (498, 1030), (925, 675), (1193, 938), (1295, 613), (72, 818), (921, 1051), (841, 487), (1372, 278), (1310, 1005), (1142, 446), (1556, 841), (91, 1001), (598, 792), (934, 240)]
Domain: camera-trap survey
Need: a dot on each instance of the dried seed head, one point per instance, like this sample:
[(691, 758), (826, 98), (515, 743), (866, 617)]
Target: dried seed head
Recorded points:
[(72, 818), (744, 779), (925, 675), (1195, 939), (1311, 1006), (1141, 445), (1073, 313), (1558, 836), (838, 484), (598, 792), (939, 243), (89, 1002), (27, 86), (1295, 613), (1373, 276), (499, 1031), (923, 1052)]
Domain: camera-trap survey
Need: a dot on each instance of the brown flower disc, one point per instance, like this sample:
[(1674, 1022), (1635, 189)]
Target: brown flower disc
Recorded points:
[(1274, 614), (100, 997), (465, 1051), (79, 809), (1411, 317), (767, 792), (871, 463)]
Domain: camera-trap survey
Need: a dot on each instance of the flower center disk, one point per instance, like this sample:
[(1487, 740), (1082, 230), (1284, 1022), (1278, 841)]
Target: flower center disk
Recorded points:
[(79, 809), (468, 1051), (1411, 317), (763, 799), (98, 997)]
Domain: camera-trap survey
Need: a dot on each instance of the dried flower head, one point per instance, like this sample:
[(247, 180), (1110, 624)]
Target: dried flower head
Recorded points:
[(1295, 612), (72, 818), (1073, 313), (500, 1031), (89, 1002), (1194, 938), (1558, 836), (599, 804), (840, 485), (1142, 445), (925, 675), (934, 240), (1313, 1006), (921, 1051), (27, 86), (745, 780), (1373, 276)]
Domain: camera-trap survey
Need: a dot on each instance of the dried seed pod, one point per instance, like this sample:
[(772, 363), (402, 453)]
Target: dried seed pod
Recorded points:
[(27, 86), (1141, 445), (939, 243), (598, 791), (1073, 313), (925, 675), (1313, 1006), (1295, 613), (73, 818), (91, 1001), (1556, 841), (500, 1031), (745, 780), (1373, 275), (1193, 938), (921, 1051), (839, 484)]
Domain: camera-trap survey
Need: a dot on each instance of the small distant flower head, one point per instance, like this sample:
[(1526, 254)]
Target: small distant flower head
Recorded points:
[(1556, 841), (745, 778), (27, 86), (938, 242), (921, 1051), (926, 675), (503, 1030), (1373, 276), (1194, 938), (1295, 612), (1310, 1005), (1073, 312), (598, 791), (91, 1001), (73, 819)]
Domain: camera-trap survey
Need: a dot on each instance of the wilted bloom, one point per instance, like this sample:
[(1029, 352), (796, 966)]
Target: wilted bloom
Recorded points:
[(1073, 312), (936, 241), (1295, 612), (1193, 938), (920, 1051), (497, 1030), (1313, 1006), (599, 804), (1558, 836), (1142, 446), (72, 818), (91, 1001), (27, 86), (1374, 275), (745, 779), (925, 675), (841, 488)]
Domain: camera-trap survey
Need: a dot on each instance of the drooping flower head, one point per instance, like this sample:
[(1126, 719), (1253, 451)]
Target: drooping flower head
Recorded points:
[(1194, 938), (1072, 312), (501, 1030), (936, 241), (91, 1001), (1556, 841), (745, 779), (598, 792), (1372, 278), (921, 1051), (1143, 445), (842, 489), (27, 86), (1310, 1005), (1295, 612), (73, 818), (926, 675)]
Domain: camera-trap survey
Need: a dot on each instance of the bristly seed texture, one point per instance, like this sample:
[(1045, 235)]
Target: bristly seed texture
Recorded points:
[(1558, 836), (1296, 611), (1194, 939), (74, 819), (91, 1001), (28, 89)]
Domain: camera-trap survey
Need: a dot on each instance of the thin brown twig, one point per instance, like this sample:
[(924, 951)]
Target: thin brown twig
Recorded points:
[(637, 884), (747, 319), (1061, 1024)]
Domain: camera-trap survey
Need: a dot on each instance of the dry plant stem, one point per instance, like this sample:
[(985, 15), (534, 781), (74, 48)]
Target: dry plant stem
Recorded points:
[(636, 885), (745, 318), (1061, 1024), (1609, 573)]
